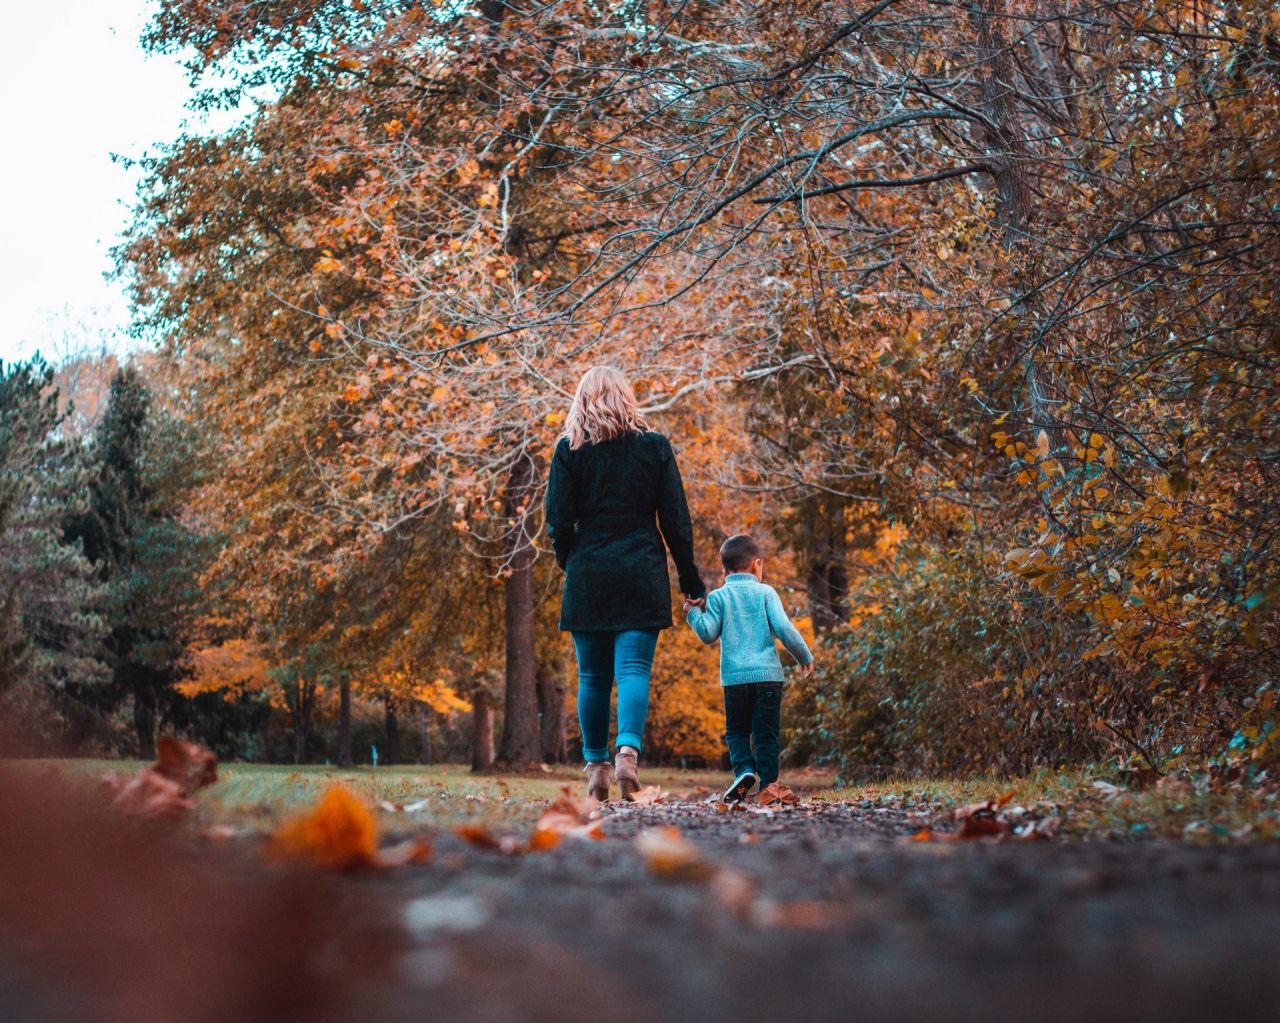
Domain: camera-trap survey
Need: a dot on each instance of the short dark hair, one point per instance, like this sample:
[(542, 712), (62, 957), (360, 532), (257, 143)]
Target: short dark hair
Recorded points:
[(737, 553)]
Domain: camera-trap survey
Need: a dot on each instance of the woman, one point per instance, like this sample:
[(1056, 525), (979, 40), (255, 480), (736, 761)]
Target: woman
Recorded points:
[(614, 484)]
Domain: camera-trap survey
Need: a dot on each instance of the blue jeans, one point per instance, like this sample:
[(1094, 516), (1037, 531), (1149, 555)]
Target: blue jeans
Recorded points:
[(602, 657), (753, 711)]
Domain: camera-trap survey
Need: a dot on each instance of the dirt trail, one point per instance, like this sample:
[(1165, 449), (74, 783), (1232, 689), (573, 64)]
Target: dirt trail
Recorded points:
[(848, 920)]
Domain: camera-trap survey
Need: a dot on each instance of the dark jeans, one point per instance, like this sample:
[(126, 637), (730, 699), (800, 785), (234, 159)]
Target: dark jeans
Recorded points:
[(753, 711)]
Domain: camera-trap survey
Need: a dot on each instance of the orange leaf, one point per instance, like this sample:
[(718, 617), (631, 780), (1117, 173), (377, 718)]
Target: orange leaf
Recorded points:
[(338, 833)]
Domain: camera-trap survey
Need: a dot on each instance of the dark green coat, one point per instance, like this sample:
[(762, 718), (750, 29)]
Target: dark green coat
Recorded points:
[(605, 506)]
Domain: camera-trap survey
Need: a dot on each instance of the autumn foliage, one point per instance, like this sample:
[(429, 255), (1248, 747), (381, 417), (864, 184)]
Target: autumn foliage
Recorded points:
[(967, 312)]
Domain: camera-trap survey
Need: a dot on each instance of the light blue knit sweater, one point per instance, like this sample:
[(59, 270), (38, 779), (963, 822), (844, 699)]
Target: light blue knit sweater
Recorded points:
[(746, 615)]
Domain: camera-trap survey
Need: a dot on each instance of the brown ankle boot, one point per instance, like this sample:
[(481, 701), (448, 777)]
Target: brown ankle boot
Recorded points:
[(598, 781), (624, 770)]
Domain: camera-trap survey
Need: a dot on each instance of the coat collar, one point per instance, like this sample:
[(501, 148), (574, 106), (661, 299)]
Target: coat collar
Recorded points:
[(740, 577)]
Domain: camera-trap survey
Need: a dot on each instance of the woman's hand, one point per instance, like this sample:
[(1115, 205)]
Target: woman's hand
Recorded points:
[(700, 603), (807, 670)]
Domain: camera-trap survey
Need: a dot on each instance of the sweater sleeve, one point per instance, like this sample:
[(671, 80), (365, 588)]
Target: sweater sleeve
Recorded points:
[(707, 624), (562, 513), (784, 630), (677, 530)]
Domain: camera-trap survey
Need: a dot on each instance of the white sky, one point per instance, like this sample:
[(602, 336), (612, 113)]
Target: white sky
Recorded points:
[(73, 91)]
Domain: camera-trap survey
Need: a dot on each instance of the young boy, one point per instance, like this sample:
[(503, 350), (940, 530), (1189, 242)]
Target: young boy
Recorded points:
[(746, 615)]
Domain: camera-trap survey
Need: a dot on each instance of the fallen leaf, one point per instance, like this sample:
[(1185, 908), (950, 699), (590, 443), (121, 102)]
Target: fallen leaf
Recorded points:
[(543, 839), (165, 788), (667, 853), (649, 795), (735, 891), (477, 835), (980, 820), (338, 833), (775, 793), (413, 850)]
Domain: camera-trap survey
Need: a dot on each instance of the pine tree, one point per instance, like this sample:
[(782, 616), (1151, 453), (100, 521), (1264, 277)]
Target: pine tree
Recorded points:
[(49, 625), (147, 559)]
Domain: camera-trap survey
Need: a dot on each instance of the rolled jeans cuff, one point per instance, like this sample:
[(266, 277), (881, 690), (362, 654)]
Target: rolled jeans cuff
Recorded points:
[(595, 756), (627, 739)]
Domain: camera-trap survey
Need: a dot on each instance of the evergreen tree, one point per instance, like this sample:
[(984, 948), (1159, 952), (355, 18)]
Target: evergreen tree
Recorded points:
[(49, 600), (145, 556)]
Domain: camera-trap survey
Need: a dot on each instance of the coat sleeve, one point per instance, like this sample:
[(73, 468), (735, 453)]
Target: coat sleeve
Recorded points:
[(562, 510), (784, 630), (677, 530)]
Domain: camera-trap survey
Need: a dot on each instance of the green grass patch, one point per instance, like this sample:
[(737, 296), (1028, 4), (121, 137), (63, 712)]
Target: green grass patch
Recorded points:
[(258, 796), (1096, 807)]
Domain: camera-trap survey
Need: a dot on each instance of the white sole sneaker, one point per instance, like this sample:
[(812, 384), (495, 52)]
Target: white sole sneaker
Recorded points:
[(742, 784)]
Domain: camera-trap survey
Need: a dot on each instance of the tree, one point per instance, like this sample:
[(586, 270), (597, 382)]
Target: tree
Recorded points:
[(147, 559), (50, 628)]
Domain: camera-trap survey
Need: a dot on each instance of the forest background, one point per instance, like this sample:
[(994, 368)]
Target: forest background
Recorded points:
[(968, 311)]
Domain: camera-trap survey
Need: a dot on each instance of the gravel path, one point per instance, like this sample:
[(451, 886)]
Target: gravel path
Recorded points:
[(826, 912)]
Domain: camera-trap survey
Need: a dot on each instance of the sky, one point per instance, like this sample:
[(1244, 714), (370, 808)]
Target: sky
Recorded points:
[(70, 96)]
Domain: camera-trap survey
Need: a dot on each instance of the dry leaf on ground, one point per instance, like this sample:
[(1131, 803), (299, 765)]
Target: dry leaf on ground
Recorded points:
[(649, 795), (481, 837), (775, 793), (165, 788), (567, 817), (980, 820), (412, 850), (337, 833), (667, 853), (735, 891), (340, 833)]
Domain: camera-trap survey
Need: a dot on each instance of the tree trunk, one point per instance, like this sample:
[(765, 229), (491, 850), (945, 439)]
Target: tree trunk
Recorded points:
[(828, 585), (424, 722), (144, 723), (393, 733), (520, 733), (481, 731), (344, 720), (823, 546), (304, 700), (551, 710)]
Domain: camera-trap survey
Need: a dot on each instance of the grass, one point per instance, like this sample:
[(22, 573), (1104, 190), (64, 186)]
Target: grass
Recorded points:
[(1180, 810), (257, 796)]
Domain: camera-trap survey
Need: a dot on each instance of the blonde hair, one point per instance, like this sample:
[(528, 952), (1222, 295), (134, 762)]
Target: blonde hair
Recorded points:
[(604, 407)]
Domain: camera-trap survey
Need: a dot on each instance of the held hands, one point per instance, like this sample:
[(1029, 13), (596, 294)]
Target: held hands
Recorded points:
[(807, 670), (700, 603)]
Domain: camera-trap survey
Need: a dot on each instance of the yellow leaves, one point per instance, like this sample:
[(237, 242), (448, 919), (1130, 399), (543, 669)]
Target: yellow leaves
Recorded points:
[(554, 419), (393, 127), (440, 395), (468, 171), (1042, 443), (231, 668), (327, 264)]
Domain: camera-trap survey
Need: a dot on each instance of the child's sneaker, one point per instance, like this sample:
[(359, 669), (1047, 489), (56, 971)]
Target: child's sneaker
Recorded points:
[(742, 784)]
